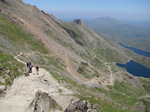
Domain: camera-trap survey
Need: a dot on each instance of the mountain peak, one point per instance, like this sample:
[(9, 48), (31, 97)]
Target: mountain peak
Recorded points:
[(79, 22)]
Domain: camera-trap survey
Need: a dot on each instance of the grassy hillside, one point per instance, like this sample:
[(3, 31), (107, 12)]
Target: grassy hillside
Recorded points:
[(9, 69), (14, 34), (13, 39)]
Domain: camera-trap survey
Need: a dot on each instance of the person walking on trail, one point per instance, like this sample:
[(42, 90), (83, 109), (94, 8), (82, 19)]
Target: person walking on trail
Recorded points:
[(30, 69), (37, 69), (29, 66)]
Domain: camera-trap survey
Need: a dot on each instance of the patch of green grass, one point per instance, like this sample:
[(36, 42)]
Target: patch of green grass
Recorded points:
[(73, 27), (146, 84), (109, 54), (18, 36), (9, 66), (123, 87), (60, 91), (99, 89), (123, 98), (56, 76), (56, 62), (86, 75), (147, 87), (61, 78), (105, 106), (75, 33), (83, 70), (146, 102), (125, 94)]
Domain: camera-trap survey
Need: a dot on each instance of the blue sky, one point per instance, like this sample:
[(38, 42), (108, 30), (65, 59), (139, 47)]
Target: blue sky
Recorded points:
[(88, 9)]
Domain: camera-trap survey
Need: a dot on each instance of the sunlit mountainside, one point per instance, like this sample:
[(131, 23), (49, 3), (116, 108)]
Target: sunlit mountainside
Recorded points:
[(77, 66)]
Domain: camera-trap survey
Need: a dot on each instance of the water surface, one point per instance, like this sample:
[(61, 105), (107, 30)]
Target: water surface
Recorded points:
[(138, 51), (135, 69)]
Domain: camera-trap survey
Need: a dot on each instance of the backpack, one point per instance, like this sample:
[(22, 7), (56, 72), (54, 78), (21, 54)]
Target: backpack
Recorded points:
[(28, 64)]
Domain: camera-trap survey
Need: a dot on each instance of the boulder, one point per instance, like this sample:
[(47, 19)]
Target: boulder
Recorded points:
[(43, 103), (80, 105), (2, 88), (91, 110)]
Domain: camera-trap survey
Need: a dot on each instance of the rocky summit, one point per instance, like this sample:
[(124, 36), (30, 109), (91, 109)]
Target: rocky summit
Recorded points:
[(77, 70)]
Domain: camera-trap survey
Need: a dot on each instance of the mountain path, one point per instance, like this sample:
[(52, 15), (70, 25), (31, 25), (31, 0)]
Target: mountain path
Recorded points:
[(111, 80), (111, 76), (21, 93), (76, 75)]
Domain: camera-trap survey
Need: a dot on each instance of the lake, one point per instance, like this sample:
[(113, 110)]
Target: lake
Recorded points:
[(138, 51), (135, 69)]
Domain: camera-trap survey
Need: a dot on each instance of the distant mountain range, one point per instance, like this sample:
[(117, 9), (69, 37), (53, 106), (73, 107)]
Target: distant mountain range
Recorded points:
[(120, 31), (144, 23)]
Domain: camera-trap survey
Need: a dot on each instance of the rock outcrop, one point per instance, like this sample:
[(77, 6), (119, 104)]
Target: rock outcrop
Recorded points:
[(2, 88), (79, 22), (43, 103), (80, 105)]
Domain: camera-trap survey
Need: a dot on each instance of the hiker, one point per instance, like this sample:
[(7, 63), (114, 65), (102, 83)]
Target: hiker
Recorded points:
[(37, 69), (29, 66), (30, 69)]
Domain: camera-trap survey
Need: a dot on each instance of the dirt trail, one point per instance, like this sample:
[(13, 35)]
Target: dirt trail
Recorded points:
[(20, 94), (111, 80), (111, 77), (16, 57), (77, 76), (94, 53)]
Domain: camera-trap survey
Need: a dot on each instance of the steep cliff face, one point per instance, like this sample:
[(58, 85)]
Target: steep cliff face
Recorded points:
[(76, 56)]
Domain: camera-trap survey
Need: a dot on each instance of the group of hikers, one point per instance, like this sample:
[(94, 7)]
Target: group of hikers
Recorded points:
[(30, 66)]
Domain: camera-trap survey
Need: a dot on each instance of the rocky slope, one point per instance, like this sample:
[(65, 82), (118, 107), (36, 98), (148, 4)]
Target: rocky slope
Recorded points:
[(76, 62)]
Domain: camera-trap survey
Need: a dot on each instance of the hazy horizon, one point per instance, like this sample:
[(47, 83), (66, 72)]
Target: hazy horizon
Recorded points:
[(90, 9)]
